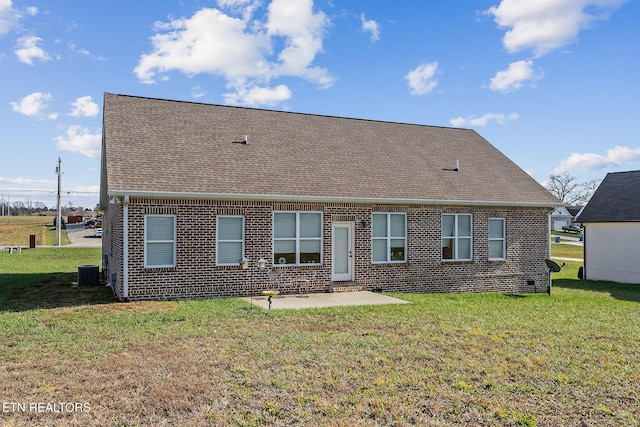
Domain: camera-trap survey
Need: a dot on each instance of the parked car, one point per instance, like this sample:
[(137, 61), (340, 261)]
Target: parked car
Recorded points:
[(571, 228), (97, 232)]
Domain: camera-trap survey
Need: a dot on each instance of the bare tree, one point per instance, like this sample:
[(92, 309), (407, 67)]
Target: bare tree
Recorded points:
[(587, 189), (562, 186), (570, 192)]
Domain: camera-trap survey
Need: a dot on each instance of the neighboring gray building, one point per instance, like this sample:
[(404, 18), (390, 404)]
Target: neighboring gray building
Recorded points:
[(330, 203), (611, 222)]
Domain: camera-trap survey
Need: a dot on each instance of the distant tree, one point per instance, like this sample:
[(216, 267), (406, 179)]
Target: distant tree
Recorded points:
[(562, 186), (586, 191), (568, 191)]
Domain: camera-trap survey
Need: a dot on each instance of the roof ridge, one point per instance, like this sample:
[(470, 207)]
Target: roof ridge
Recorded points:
[(291, 112), (634, 171)]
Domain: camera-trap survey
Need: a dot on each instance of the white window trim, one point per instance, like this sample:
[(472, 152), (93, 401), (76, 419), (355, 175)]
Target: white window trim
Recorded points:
[(388, 238), (455, 237), (297, 238), (146, 242), (218, 241), (503, 239)]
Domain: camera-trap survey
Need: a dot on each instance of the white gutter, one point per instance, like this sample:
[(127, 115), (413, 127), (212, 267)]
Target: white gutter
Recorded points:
[(320, 199), (549, 247), (125, 248)]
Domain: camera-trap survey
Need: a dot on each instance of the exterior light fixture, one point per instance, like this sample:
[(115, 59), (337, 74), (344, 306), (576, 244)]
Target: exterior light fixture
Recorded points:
[(364, 223), (244, 263), (262, 264)]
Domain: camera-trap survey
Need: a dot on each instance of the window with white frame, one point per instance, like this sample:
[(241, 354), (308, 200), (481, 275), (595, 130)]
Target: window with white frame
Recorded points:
[(497, 248), (456, 237), (159, 241), (389, 237), (297, 238), (229, 239)]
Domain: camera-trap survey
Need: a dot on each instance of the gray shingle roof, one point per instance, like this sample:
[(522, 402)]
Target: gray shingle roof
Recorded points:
[(154, 145), (617, 199)]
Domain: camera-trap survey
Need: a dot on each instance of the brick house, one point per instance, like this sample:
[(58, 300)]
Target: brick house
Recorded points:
[(189, 189)]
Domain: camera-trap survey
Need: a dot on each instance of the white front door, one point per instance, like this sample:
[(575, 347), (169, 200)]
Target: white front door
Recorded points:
[(342, 251)]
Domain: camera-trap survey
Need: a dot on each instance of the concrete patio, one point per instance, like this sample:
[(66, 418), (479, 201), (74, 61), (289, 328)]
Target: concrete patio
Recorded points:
[(323, 300)]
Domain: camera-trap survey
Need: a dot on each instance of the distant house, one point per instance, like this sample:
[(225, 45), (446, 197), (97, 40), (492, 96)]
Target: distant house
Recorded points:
[(189, 189), (574, 211), (560, 217), (564, 215), (611, 222)]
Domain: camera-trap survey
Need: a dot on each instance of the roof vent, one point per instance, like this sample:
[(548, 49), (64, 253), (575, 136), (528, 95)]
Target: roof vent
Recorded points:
[(456, 169), (245, 141)]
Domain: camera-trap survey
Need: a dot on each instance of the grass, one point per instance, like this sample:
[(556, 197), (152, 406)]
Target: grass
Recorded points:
[(564, 234), (43, 277), (471, 359), (559, 250), (15, 231)]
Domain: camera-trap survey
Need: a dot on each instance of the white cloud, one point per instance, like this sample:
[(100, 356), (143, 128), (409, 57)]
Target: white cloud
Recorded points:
[(33, 104), (241, 49), (421, 80), (84, 107), (74, 48), (197, 92), (615, 156), (259, 95), (208, 42), (499, 118), (514, 77), (244, 8), (370, 26), (233, 3), (302, 30), (546, 25), (9, 16), (27, 50), (79, 140)]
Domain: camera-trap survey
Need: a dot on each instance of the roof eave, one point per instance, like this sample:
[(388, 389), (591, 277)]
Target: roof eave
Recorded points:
[(321, 199)]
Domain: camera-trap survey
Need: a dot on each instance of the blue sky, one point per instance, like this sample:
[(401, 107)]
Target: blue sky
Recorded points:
[(553, 84)]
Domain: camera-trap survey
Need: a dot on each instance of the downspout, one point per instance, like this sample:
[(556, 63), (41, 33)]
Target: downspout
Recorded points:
[(549, 245), (584, 252), (125, 249)]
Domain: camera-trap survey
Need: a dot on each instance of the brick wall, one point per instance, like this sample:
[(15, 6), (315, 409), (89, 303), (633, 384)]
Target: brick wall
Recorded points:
[(197, 276)]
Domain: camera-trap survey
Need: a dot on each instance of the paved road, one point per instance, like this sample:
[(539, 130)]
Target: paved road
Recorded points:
[(81, 237)]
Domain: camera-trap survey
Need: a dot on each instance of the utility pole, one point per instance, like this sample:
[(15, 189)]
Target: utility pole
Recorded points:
[(59, 213)]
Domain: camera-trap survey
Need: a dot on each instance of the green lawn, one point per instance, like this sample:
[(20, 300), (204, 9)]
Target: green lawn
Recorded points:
[(572, 359), (43, 277), (566, 251)]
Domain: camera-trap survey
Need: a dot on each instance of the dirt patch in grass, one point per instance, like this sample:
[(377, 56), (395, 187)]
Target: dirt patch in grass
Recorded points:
[(138, 307)]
